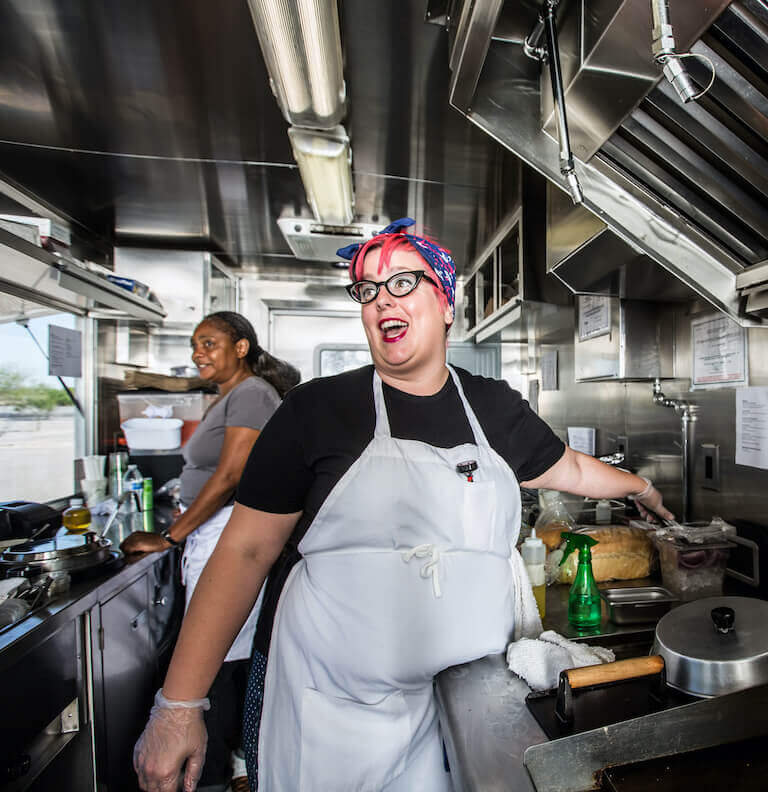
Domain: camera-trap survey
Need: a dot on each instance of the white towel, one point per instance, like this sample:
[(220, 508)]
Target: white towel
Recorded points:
[(527, 619), (540, 661)]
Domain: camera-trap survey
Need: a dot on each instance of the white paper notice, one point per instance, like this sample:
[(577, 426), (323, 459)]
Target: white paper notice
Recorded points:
[(752, 427), (594, 316), (582, 438), (719, 352), (549, 370), (64, 352)]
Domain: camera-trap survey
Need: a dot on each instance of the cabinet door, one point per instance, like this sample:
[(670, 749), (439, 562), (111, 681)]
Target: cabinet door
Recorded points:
[(166, 605), (128, 679)]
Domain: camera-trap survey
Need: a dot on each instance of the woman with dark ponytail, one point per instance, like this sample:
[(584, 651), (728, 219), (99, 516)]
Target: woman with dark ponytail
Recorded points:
[(281, 375), (251, 384)]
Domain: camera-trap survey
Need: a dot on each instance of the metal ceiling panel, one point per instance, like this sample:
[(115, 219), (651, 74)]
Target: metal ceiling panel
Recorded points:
[(153, 123)]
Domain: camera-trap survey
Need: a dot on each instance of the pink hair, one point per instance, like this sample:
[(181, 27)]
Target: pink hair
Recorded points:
[(388, 244)]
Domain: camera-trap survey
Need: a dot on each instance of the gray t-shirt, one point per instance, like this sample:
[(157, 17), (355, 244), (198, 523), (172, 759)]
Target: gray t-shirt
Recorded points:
[(250, 404)]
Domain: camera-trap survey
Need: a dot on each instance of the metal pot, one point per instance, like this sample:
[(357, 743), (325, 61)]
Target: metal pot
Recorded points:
[(69, 553), (714, 646)]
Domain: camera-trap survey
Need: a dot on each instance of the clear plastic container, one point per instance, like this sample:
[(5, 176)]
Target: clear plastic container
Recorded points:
[(77, 518), (157, 404), (187, 407), (692, 571)]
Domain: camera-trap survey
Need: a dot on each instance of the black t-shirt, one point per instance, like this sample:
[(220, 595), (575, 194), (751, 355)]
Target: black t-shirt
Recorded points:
[(324, 425)]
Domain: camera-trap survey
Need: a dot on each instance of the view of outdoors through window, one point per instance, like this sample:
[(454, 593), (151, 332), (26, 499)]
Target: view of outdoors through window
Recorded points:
[(37, 419)]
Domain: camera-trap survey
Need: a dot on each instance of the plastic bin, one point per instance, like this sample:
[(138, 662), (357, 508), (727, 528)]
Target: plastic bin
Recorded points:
[(692, 571), (152, 434), (187, 406)]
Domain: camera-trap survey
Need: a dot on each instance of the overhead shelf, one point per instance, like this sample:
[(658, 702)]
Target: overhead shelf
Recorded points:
[(23, 270)]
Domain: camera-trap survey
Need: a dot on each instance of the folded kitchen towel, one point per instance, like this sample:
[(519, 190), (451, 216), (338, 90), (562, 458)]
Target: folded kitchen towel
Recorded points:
[(539, 661)]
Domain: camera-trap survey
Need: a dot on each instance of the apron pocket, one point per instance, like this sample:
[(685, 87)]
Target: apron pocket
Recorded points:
[(479, 514), (352, 746)]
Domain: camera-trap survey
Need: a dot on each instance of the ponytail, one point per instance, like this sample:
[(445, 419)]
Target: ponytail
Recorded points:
[(280, 375)]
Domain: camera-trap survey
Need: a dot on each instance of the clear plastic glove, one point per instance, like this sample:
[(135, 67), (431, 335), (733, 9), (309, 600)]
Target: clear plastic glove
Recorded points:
[(171, 737), (650, 498)]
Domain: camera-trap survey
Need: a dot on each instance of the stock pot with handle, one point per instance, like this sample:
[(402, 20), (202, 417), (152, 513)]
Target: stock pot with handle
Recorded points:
[(715, 645), (705, 648)]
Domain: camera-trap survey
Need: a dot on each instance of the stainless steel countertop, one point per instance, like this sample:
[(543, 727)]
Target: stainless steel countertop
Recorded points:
[(486, 724), (84, 592)]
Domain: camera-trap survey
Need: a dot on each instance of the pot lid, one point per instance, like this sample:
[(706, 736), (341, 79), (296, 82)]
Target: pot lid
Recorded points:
[(63, 546), (723, 629)]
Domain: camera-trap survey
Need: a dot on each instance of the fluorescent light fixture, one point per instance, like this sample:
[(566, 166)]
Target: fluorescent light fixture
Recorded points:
[(325, 164), (301, 43)]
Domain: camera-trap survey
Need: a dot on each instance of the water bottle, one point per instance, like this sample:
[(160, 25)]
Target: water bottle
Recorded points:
[(133, 481)]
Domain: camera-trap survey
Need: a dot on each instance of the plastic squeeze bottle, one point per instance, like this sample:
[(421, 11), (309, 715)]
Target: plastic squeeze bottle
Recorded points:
[(534, 552), (584, 596)]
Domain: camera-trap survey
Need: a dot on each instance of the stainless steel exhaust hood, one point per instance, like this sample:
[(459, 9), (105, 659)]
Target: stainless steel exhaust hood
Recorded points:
[(681, 185), (589, 258)]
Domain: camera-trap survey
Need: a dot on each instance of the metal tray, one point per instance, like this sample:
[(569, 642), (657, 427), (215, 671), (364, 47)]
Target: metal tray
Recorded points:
[(637, 605)]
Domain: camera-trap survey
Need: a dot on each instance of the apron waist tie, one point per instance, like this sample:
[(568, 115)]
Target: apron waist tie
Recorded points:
[(430, 569)]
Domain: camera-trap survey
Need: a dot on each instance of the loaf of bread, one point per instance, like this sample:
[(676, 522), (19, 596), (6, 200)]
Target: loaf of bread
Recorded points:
[(550, 534), (622, 553)]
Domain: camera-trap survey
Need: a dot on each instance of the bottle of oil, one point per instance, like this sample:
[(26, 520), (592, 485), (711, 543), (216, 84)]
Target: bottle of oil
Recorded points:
[(534, 552), (77, 518)]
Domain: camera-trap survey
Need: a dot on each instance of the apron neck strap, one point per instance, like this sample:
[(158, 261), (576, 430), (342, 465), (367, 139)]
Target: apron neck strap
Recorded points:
[(477, 430), (382, 419)]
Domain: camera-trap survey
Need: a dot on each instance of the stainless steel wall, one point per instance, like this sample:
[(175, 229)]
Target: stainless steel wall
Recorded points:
[(626, 408)]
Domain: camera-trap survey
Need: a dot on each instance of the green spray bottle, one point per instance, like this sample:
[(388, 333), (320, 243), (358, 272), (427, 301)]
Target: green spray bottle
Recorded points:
[(584, 596)]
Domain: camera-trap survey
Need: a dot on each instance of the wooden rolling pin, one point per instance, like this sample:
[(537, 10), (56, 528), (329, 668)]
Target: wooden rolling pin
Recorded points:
[(614, 672)]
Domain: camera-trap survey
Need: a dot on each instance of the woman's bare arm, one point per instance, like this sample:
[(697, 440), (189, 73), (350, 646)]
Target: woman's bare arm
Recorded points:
[(224, 596), (581, 474), (215, 493)]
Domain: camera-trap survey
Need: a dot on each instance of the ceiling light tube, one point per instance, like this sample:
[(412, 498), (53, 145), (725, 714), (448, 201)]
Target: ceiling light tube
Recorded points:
[(325, 163), (301, 44)]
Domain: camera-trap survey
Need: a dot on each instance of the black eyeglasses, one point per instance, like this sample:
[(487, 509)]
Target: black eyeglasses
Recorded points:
[(398, 285)]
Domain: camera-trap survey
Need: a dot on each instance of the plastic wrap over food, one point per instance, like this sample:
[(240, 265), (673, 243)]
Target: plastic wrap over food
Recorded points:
[(716, 530)]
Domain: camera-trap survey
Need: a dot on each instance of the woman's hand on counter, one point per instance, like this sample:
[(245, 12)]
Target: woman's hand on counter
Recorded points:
[(143, 542)]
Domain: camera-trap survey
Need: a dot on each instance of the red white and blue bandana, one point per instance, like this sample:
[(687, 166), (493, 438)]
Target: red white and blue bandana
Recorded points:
[(438, 258)]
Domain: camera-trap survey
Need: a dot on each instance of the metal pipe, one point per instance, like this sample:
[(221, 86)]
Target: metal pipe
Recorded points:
[(532, 44), (688, 416), (688, 419), (556, 77), (664, 53)]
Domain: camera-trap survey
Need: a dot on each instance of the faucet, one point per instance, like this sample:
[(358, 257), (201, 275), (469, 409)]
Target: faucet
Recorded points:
[(688, 416)]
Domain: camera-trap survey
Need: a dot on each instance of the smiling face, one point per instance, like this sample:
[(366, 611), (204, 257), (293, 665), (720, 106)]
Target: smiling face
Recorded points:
[(218, 358), (407, 335)]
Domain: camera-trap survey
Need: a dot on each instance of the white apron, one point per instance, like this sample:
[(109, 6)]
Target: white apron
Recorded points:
[(198, 548), (405, 571)]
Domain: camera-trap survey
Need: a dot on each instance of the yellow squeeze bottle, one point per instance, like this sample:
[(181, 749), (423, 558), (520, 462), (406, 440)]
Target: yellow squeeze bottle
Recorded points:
[(77, 518), (534, 552)]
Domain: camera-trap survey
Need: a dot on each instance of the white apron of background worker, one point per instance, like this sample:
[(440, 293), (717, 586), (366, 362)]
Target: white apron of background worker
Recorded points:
[(406, 570), (198, 549)]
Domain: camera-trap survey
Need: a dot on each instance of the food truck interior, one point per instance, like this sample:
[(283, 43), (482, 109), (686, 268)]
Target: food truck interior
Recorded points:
[(599, 172)]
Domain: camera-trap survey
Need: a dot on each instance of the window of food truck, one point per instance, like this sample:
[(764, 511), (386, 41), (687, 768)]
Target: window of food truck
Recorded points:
[(41, 432)]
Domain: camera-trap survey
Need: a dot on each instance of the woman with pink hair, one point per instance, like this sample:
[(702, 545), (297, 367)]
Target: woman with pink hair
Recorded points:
[(385, 505)]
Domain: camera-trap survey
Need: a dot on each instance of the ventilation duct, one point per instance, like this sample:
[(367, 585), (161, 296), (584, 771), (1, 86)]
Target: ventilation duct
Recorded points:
[(315, 242), (683, 185)]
